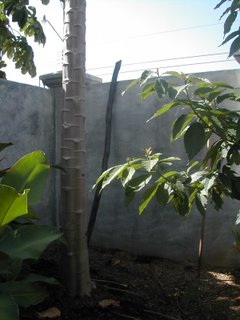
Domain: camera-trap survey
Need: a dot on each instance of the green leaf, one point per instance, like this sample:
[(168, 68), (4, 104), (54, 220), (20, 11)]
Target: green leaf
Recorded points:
[(220, 3), (132, 84), (225, 96), (145, 76), (147, 197), (201, 203), (180, 125), (234, 46), (147, 91), (12, 204), (113, 173), (181, 203), (238, 130), (28, 241), (9, 267), (163, 194), (213, 154), (217, 198), (229, 21), (175, 74), (5, 145), (194, 164), (149, 164), (194, 139), (161, 87), (238, 218), (33, 278), (236, 92), (8, 307), (165, 109), (25, 294), (230, 37), (127, 176), (134, 186), (30, 172), (202, 91)]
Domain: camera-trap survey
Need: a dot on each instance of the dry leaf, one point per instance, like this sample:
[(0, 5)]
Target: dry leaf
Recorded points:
[(104, 304), (115, 261), (50, 313)]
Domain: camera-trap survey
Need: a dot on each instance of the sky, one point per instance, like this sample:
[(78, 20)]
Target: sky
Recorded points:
[(181, 35)]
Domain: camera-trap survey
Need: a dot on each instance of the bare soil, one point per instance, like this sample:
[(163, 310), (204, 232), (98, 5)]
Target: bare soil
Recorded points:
[(143, 288)]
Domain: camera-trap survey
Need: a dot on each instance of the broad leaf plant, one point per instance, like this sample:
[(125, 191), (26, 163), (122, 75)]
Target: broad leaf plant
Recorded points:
[(210, 132), (21, 187)]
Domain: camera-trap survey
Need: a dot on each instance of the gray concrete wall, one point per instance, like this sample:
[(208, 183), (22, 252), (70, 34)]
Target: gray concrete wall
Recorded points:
[(159, 231), (27, 120)]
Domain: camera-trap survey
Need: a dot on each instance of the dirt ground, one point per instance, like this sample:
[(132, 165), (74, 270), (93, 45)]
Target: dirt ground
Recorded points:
[(132, 287)]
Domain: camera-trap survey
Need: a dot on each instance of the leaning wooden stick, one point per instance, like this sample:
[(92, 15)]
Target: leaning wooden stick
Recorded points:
[(97, 196)]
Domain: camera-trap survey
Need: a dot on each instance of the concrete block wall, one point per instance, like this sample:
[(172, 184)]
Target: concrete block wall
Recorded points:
[(28, 121), (157, 232)]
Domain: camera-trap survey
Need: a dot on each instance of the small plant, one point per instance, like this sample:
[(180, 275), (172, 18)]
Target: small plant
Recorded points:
[(204, 125), (21, 187)]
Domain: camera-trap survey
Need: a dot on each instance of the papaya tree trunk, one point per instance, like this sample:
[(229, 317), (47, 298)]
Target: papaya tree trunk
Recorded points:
[(73, 149)]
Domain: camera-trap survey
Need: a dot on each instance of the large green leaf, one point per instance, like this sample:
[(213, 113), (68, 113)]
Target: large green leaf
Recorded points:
[(180, 125), (24, 293), (8, 307), (30, 172), (28, 241), (12, 204), (194, 139), (9, 267)]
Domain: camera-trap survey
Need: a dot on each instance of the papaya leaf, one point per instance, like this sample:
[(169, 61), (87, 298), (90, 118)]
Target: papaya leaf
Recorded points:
[(16, 243), (194, 139), (25, 294)]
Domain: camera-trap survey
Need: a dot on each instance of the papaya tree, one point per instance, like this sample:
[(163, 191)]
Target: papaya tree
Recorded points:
[(73, 148)]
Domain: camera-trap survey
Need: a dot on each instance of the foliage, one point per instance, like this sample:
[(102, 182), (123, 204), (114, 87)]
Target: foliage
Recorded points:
[(13, 43), (202, 119), (22, 185), (231, 12)]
